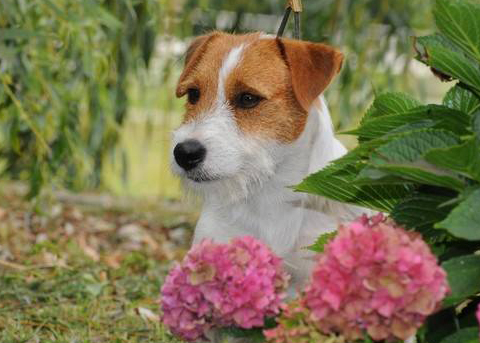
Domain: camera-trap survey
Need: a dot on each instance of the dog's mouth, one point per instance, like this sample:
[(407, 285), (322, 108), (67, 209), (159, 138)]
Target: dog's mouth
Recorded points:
[(202, 177)]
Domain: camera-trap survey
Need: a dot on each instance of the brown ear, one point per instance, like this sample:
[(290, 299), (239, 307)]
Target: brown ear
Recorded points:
[(192, 57), (312, 66)]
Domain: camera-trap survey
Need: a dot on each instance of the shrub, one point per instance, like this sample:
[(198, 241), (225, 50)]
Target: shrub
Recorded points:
[(63, 85), (421, 164)]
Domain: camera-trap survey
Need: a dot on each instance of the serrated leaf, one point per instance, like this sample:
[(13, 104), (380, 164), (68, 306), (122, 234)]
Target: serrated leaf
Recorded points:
[(464, 158), (319, 245), (422, 124), (372, 112), (404, 157), (460, 98), (390, 103), (442, 56), (395, 103), (421, 212), (464, 220), (436, 39), (374, 176), (410, 147), (424, 174), (443, 118), (476, 124), (463, 277), (466, 335), (459, 21), (336, 183)]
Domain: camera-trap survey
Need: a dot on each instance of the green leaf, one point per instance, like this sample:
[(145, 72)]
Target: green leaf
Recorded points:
[(462, 99), (463, 275), (435, 39), (420, 212), (464, 220), (104, 16), (14, 33), (476, 124), (390, 103), (422, 124), (441, 116), (404, 157), (250, 335), (410, 147), (459, 21), (95, 289), (466, 335), (321, 241), (336, 182), (424, 174), (464, 158), (374, 176), (367, 339), (441, 55)]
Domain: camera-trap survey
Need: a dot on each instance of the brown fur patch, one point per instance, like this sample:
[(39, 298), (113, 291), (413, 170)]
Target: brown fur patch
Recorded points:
[(288, 74), (263, 72), (202, 68)]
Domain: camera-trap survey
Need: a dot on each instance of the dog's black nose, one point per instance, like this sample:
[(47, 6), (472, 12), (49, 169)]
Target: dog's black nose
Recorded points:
[(189, 154)]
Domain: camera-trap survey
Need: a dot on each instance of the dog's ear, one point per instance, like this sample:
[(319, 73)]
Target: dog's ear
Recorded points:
[(312, 66), (192, 56)]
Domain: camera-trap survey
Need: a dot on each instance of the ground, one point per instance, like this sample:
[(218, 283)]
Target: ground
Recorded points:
[(86, 268)]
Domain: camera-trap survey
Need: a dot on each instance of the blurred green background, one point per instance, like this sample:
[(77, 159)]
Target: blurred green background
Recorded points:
[(87, 86)]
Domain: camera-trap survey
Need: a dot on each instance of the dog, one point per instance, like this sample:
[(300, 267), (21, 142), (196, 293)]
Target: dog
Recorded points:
[(257, 123)]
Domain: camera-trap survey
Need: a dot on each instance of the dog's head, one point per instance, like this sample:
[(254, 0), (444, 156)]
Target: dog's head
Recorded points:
[(248, 98)]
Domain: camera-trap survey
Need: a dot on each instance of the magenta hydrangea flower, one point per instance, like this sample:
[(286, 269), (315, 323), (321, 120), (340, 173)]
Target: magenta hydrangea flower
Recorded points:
[(221, 285), (377, 278)]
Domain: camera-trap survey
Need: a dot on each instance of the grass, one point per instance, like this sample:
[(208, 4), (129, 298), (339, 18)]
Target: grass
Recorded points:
[(71, 273)]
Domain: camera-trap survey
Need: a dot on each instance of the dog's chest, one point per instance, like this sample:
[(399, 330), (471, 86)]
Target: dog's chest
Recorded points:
[(278, 219)]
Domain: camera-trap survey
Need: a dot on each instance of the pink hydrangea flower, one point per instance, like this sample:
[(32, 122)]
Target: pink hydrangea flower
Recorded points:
[(296, 326), (220, 285), (377, 278)]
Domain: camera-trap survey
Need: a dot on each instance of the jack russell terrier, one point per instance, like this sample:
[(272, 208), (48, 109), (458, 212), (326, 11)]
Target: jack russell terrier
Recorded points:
[(255, 124)]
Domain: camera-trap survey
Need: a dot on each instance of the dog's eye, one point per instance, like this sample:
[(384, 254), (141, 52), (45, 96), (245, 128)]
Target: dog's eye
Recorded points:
[(247, 100), (193, 95)]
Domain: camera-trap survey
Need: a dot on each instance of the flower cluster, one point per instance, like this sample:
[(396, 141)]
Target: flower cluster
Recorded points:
[(296, 326), (219, 285), (377, 278)]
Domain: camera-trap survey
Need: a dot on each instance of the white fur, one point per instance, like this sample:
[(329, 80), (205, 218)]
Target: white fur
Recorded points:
[(231, 61), (267, 36), (249, 193)]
